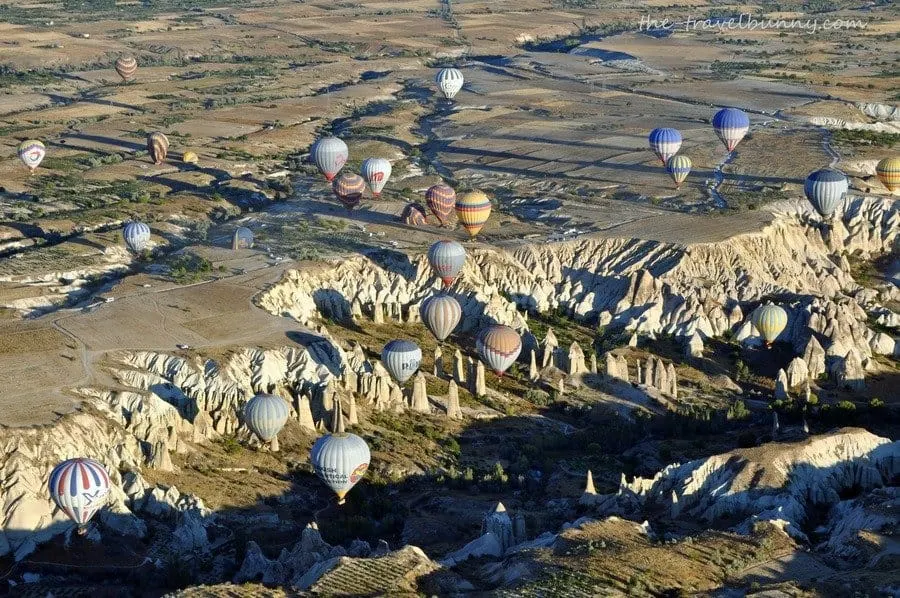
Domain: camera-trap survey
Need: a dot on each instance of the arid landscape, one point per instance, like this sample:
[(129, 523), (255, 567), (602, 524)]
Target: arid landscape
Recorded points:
[(705, 398)]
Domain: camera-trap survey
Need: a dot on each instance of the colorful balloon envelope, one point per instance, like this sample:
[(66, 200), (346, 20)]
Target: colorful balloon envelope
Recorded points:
[(136, 235), (447, 259), (441, 314), (349, 188), (80, 488), (730, 125), (888, 171), (473, 210), (678, 167), (376, 171), (126, 66), (441, 200), (414, 215), (31, 152), (266, 415), (769, 320), (499, 347), (449, 81), (329, 155), (158, 147), (340, 459), (665, 143), (190, 158), (401, 359), (825, 190)]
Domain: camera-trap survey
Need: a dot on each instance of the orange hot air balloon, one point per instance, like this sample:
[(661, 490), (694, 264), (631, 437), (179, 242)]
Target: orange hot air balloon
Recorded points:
[(441, 199), (348, 188), (888, 171), (473, 209)]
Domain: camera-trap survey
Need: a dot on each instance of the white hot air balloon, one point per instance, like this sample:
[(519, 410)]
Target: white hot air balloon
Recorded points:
[(340, 458), (449, 81), (499, 347), (376, 171), (441, 314), (136, 235), (79, 487), (330, 155), (401, 358), (266, 415)]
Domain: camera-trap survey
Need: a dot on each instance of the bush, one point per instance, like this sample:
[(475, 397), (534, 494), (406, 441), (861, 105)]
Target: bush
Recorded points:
[(846, 406), (537, 397), (876, 403)]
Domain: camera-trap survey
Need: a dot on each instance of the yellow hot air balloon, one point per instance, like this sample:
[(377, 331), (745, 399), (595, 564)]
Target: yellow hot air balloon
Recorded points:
[(770, 320), (888, 171), (190, 158), (473, 209)]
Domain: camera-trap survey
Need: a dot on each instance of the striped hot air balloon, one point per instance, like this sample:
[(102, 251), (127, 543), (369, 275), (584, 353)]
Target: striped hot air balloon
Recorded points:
[(825, 190), (158, 146), (340, 458), (401, 359), (31, 152), (376, 171), (441, 200), (329, 155), (266, 415), (769, 320), (449, 81), (473, 209), (888, 171), (499, 347), (447, 259), (441, 314), (730, 125), (126, 66), (79, 487), (349, 188), (136, 235), (665, 143), (414, 215), (678, 167)]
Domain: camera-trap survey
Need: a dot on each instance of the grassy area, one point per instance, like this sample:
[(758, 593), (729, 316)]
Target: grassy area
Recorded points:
[(866, 138), (188, 268)]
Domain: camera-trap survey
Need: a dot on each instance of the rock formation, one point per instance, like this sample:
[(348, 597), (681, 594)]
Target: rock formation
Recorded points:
[(453, 409)]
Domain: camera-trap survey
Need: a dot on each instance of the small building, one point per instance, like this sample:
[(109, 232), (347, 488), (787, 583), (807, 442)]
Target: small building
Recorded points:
[(242, 238)]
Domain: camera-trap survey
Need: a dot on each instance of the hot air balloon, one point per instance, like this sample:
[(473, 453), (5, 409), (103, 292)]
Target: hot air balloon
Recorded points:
[(31, 153), (330, 155), (665, 143), (441, 199), (340, 458), (825, 190), (473, 209), (190, 158), (441, 314), (888, 171), (126, 66), (447, 259), (376, 171), (678, 167), (449, 81), (79, 487), (137, 235), (401, 359), (265, 415), (731, 125), (349, 188), (769, 320), (414, 215), (499, 347), (242, 238), (158, 146)]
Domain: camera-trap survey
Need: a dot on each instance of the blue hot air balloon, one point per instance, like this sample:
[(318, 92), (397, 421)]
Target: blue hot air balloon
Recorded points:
[(265, 415), (136, 235), (730, 125), (665, 143), (825, 190)]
